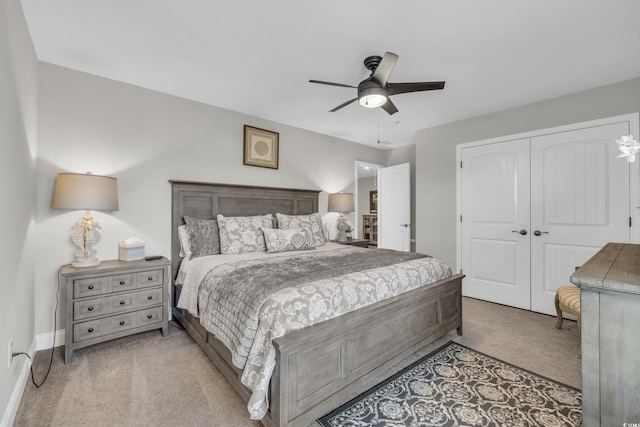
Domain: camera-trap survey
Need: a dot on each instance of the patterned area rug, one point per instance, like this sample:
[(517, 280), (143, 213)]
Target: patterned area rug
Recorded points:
[(457, 386)]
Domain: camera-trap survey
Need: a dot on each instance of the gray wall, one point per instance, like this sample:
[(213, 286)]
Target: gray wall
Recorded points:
[(144, 138), (18, 151), (436, 152)]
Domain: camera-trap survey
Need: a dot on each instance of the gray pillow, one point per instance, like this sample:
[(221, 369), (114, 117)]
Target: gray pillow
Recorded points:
[(204, 236), (312, 224), (293, 239), (241, 234)]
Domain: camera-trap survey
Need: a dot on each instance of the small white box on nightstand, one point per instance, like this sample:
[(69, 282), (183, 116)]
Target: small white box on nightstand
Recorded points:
[(131, 249)]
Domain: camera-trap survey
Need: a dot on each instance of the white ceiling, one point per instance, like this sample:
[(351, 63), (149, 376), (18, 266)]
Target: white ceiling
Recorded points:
[(256, 57)]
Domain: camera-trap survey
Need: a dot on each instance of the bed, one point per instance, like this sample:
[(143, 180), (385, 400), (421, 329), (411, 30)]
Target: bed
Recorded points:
[(317, 367)]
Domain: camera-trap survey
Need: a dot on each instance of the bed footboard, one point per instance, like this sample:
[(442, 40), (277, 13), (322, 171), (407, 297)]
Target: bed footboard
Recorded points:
[(321, 367)]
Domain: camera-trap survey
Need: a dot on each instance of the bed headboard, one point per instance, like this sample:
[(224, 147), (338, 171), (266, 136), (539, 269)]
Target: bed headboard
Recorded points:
[(205, 200)]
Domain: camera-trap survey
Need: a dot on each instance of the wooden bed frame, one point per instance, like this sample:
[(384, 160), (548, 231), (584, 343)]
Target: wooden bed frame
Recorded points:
[(320, 367)]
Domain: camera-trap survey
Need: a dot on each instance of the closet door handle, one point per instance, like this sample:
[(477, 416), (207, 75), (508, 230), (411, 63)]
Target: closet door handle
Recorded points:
[(523, 232), (540, 233)]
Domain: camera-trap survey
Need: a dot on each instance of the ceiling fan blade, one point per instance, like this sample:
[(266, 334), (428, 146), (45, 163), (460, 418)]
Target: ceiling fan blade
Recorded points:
[(343, 105), (389, 107), (396, 88), (330, 83), (382, 73)]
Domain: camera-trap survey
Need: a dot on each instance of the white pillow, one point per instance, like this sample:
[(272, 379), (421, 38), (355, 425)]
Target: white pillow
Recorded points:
[(293, 239), (185, 241), (312, 224), (241, 234)]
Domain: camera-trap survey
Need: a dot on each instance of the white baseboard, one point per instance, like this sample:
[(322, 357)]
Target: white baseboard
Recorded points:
[(40, 342), (14, 401), (45, 341)]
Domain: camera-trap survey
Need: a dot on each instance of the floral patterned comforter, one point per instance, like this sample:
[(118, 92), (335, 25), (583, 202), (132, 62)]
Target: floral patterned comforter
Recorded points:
[(248, 302)]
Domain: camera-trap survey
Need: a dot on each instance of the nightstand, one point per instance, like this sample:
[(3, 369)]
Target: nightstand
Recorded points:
[(113, 300), (363, 243)]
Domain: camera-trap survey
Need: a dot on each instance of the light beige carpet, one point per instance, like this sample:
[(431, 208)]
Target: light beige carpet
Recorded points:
[(148, 380)]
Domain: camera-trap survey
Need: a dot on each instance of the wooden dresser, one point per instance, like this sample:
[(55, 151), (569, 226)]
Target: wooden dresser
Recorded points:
[(610, 284), (114, 299)]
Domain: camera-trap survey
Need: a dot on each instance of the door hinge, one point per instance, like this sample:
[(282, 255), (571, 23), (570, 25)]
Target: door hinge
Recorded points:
[(460, 164), (629, 221), (460, 218)]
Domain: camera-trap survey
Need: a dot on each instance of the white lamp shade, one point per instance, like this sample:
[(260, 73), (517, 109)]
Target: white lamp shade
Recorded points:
[(77, 191), (341, 202)]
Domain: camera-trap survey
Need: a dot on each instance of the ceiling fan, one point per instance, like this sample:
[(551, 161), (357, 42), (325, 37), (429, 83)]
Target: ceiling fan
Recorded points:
[(375, 90)]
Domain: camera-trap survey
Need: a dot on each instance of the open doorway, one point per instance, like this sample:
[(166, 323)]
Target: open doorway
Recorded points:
[(365, 198)]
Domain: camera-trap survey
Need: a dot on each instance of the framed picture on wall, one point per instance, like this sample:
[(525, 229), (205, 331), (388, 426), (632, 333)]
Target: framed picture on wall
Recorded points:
[(373, 201), (260, 147)]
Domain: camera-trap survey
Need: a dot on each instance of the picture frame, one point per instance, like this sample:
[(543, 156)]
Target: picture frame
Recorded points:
[(260, 147), (373, 201)]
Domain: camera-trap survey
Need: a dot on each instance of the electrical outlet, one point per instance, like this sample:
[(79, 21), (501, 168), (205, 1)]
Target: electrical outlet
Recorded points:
[(10, 358)]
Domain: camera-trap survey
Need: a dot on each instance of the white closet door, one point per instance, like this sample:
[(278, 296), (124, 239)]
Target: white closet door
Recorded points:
[(580, 202), (495, 256)]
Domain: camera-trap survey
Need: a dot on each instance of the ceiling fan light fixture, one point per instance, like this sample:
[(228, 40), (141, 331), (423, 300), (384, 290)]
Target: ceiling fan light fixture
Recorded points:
[(372, 97), (373, 101)]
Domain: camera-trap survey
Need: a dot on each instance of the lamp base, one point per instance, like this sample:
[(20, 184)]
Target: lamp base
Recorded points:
[(342, 226), (85, 236), (85, 262)]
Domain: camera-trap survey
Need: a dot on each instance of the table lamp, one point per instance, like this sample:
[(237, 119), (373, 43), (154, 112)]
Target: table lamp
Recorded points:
[(86, 192), (341, 202)]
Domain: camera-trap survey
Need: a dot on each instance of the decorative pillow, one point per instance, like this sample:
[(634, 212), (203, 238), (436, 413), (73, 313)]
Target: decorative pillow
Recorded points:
[(312, 224), (204, 236), (292, 239), (185, 241), (241, 234)]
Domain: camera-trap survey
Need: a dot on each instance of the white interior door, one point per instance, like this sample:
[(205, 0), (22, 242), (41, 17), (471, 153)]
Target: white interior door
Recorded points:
[(580, 202), (394, 207), (495, 235)]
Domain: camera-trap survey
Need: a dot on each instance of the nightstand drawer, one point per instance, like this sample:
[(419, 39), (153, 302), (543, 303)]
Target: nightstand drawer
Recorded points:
[(148, 298), (122, 282), (89, 287), (118, 323), (151, 315), (150, 278), (89, 308), (87, 330)]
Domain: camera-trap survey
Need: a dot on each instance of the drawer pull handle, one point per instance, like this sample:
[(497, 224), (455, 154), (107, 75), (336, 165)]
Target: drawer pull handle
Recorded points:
[(90, 330), (121, 302), (121, 322), (150, 316), (122, 282), (150, 297), (150, 278), (90, 286), (90, 308)]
